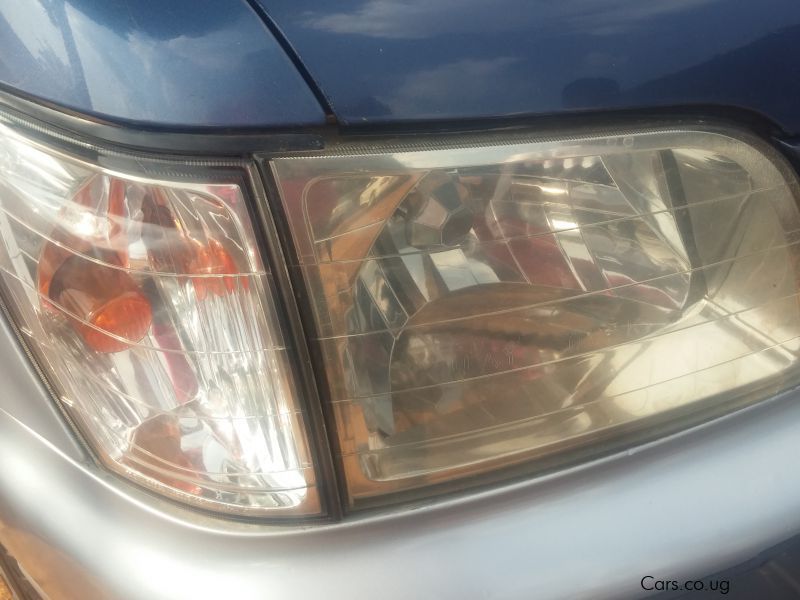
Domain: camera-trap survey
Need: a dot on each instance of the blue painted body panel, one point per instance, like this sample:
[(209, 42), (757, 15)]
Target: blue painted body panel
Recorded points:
[(183, 63), (214, 64), (381, 61)]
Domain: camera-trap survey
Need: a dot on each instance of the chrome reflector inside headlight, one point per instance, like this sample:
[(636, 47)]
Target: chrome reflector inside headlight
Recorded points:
[(145, 301), (480, 306)]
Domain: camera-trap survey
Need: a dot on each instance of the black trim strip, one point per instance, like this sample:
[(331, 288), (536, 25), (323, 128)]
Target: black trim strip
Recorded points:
[(305, 333), (152, 138), (266, 217)]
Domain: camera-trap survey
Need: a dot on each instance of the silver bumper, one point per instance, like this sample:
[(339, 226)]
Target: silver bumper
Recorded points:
[(685, 506)]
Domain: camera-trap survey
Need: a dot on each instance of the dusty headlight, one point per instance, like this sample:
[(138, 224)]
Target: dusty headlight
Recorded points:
[(480, 307), (146, 303)]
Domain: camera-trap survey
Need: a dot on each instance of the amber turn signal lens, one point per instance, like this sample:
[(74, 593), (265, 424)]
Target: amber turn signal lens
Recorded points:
[(103, 304), (127, 316), (213, 260)]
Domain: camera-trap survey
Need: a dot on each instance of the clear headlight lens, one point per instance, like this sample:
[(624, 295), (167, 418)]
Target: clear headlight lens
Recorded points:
[(479, 307), (150, 311)]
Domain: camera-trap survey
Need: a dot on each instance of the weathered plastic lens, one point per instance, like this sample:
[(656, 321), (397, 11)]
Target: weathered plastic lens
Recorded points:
[(479, 307)]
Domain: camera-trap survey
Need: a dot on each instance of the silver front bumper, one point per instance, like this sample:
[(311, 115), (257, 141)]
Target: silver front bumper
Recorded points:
[(686, 506)]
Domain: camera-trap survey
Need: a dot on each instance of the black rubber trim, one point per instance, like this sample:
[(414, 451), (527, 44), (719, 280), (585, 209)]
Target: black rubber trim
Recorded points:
[(266, 142), (264, 217), (307, 333), (554, 121), (195, 141)]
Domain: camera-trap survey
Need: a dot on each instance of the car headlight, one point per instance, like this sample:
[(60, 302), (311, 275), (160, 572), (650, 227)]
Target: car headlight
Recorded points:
[(479, 304), (142, 294)]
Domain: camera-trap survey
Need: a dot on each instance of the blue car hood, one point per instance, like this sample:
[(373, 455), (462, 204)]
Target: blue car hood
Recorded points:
[(166, 63), (385, 61), (215, 63)]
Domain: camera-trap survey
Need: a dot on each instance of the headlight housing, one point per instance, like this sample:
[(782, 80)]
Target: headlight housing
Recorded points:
[(142, 293), (479, 307)]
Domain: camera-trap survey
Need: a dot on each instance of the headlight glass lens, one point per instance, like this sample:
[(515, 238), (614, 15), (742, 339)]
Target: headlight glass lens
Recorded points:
[(480, 307), (147, 306)]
